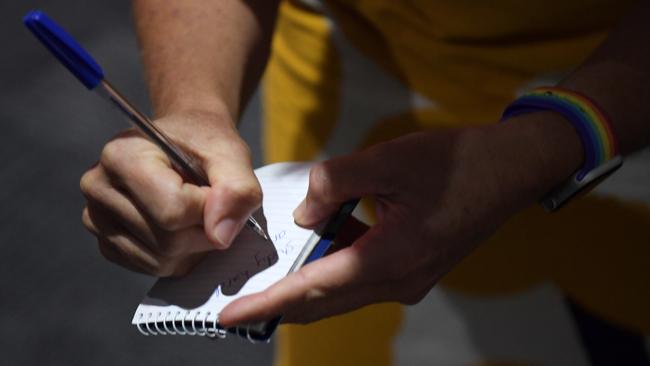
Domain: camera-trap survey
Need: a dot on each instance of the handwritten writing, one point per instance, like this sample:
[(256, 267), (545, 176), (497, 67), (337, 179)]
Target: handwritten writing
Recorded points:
[(279, 236), (287, 248)]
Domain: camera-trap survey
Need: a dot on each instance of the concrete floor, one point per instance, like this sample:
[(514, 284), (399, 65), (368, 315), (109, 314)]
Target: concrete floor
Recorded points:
[(61, 303)]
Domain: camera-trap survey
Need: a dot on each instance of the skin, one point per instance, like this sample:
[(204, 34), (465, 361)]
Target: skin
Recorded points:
[(147, 219), (203, 60)]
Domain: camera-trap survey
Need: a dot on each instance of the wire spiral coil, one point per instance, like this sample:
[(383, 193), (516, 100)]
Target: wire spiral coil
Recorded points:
[(180, 323)]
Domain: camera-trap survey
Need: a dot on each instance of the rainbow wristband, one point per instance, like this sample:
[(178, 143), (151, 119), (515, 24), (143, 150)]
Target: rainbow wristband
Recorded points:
[(592, 125)]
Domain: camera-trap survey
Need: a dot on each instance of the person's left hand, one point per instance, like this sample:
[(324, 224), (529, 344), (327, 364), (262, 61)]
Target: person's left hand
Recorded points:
[(438, 194)]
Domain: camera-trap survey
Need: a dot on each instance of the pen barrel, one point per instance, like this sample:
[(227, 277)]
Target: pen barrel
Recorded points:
[(184, 163)]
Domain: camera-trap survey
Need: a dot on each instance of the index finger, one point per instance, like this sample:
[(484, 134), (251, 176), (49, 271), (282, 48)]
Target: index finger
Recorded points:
[(343, 271)]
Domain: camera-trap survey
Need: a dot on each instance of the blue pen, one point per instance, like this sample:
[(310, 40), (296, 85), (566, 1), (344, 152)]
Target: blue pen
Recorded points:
[(82, 65)]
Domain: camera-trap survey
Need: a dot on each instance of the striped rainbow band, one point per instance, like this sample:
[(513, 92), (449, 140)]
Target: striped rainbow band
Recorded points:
[(591, 123)]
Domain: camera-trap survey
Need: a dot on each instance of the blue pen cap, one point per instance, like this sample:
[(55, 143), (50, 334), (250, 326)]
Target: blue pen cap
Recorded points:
[(65, 48)]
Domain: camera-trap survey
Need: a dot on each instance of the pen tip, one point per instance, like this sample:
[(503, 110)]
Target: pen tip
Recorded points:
[(255, 226), (262, 234)]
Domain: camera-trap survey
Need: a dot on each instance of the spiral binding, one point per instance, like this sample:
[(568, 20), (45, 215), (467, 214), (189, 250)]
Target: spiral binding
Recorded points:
[(182, 323)]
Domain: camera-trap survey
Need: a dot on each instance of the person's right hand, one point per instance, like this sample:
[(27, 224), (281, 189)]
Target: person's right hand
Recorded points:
[(147, 218)]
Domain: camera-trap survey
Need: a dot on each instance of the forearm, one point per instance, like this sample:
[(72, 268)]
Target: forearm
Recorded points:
[(545, 148), (201, 54), (617, 78)]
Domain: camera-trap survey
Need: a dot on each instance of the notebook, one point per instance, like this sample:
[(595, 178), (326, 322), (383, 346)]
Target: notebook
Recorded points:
[(190, 305)]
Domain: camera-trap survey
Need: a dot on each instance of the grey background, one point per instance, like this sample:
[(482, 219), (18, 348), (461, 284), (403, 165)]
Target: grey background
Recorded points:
[(60, 302)]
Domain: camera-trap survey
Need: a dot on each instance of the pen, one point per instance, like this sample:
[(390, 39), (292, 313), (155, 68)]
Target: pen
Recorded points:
[(84, 67)]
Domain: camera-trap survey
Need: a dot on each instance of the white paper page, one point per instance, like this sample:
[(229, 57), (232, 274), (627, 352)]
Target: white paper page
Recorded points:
[(250, 265)]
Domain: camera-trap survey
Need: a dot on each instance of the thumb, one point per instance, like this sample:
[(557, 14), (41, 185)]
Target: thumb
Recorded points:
[(234, 195), (338, 180)]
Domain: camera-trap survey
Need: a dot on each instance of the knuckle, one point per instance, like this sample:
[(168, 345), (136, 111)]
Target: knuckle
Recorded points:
[(242, 149), (106, 250), (133, 258), (252, 194), (87, 221), (87, 183), (111, 156), (303, 278), (169, 248), (307, 282), (162, 270), (155, 266), (171, 215), (301, 284), (267, 309), (246, 193), (173, 267)]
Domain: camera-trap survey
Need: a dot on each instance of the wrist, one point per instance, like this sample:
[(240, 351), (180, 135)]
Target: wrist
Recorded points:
[(197, 106), (540, 151)]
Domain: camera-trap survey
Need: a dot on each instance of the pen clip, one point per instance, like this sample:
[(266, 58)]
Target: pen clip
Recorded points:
[(65, 48)]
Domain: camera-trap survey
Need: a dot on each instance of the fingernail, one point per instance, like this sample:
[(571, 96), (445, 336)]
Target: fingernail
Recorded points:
[(225, 231), (300, 212), (304, 217)]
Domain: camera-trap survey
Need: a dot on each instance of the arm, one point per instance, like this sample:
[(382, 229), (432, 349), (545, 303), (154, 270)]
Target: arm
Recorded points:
[(617, 77), (203, 54), (203, 59), (439, 194)]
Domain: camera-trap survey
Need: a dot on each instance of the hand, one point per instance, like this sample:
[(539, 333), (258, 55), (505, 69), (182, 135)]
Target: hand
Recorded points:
[(437, 194), (147, 218)]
